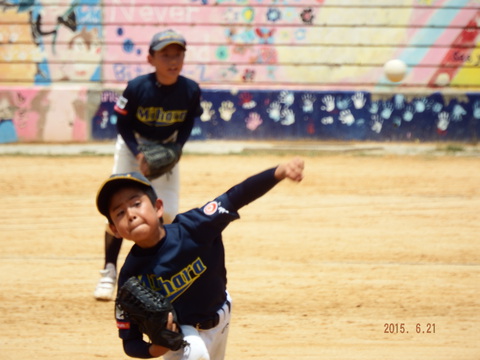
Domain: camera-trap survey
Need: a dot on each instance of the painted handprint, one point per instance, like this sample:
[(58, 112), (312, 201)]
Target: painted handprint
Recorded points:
[(343, 104), (374, 107), (274, 111), (246, 100), (286, 97), (359, 100), (437, 107), (226, 110), (443, 121), (308, 100), (399, 101), (387, 110), (327, 120), (408, 113), (253, 121), (207, 112), (329, 103), (288, 117), (346, 117), (421, 105), (458, 112), (476, 110), (377, 123)]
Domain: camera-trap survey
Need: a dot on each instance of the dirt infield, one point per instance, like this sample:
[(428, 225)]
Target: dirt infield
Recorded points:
[(370, 257)]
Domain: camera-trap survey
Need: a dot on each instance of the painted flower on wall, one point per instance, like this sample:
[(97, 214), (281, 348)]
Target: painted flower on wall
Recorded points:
[(273, 15), (307, 16)]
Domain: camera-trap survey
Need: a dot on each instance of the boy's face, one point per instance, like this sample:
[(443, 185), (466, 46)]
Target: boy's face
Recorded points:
[(168, 63), (134, 216)]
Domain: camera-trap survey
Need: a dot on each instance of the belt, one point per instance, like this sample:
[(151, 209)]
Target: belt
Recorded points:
[(211, 323)]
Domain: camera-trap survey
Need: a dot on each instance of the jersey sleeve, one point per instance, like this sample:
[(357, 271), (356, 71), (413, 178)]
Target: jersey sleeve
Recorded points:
[(206, 223), (125, 109), (251, 188), (210, 220)]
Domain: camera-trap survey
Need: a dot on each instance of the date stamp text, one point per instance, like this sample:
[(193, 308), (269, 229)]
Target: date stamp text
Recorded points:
[(403, 328)]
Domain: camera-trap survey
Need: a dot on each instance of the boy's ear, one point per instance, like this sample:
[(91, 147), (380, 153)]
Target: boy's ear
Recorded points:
[(159, 207), (150, 59), (114, 231)]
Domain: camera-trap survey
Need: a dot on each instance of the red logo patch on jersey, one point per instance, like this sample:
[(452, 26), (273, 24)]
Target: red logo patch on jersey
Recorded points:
[(210, 208), (123, 325), (120, 105)]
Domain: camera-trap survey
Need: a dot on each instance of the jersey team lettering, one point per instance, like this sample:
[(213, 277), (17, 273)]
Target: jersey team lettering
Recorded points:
[(156, 116)]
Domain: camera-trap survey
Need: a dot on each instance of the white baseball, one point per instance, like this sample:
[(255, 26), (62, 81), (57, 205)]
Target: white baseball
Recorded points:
[(395, 70)]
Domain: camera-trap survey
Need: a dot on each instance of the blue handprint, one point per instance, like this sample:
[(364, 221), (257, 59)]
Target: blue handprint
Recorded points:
[(476, 110)]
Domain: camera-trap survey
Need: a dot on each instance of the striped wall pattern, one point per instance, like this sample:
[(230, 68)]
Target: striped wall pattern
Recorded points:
[(68, 51)]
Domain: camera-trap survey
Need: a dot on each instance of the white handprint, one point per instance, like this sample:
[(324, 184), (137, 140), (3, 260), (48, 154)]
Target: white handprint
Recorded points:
[(274, 111), (308, 100), (359, 100), (377, 123), (421, 105), (286, 97), (346, 117), (387, 110), (408, 114), (399, 100), (288, 117), (329, 102), (207, 113), (226, 110), (443, 121), (327, 120), (374, 107)]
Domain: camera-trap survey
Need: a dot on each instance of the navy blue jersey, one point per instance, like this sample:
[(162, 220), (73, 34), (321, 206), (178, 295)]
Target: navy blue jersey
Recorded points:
[(188, 264), (156, 111)]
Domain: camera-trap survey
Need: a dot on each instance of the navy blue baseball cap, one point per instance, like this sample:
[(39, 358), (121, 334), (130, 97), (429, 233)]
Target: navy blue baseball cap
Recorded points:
[(116, 181), (165, 38)]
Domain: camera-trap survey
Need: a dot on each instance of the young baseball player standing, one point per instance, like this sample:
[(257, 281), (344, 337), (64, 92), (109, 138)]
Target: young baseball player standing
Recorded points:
[(156, 107), (184, 260)]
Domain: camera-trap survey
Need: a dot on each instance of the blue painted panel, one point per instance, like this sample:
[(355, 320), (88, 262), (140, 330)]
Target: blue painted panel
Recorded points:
[(342, 115)]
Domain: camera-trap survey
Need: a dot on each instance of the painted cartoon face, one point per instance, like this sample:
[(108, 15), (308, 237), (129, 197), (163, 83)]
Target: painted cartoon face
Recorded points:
[(74, 47), (55, 39)]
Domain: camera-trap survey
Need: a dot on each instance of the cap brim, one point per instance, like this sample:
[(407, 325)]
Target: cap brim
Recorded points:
[(164, 45), (111, 185)]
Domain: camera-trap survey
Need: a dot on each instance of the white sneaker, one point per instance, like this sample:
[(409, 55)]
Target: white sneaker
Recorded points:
[(106, 285)]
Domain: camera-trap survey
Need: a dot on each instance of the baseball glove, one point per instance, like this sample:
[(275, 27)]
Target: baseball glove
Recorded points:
[(149, 310), (160, 158)]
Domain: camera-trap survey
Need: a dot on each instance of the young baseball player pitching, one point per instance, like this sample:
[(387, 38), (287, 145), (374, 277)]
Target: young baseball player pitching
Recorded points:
[(184, 260), (159, 107)]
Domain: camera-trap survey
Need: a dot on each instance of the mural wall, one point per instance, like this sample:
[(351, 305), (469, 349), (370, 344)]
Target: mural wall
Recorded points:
[(269, 69)]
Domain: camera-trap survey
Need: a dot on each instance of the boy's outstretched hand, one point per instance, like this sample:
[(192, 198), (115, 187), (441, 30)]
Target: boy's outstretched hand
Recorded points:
[(292, 170)]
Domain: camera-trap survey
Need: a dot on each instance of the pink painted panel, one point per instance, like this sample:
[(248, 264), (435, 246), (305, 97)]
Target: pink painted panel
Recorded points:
[(49, 114)]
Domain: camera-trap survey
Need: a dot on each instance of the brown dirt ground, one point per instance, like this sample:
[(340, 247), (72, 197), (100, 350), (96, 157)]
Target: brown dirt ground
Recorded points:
[(317, 270)]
